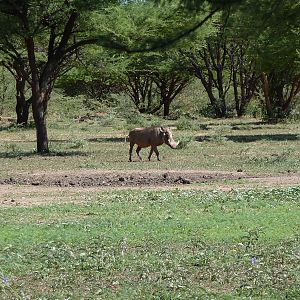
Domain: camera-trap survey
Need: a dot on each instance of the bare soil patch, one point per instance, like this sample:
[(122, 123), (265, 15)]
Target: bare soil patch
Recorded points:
[(26, 189), (89, 178)]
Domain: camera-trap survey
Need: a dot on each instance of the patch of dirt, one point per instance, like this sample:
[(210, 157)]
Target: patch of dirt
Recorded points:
[(26, 189), (120, 178)]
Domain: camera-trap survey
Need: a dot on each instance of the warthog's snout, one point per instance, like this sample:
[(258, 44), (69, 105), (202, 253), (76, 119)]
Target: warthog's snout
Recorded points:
[(173, 145), (168, 138)]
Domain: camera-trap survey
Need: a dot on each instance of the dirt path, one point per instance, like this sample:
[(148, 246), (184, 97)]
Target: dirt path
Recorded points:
[(45, 187), (92, 178)]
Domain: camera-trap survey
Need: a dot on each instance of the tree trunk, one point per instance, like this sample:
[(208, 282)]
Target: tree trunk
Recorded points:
[(40, 97), (141, 89), (223, 107), (21, 102), (166, 108), (211, 73), (220, 87), (240, 111), (39, 108), (218, 112), (22, 106), (280, 90), (209, 89), (22, 110), (267, 97)]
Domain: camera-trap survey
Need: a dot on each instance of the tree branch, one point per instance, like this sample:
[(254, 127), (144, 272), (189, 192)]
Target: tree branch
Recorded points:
[(67, 33), (161, 44)]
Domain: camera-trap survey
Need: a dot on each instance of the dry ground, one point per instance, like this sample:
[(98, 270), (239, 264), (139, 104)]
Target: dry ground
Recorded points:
[(61, 186)]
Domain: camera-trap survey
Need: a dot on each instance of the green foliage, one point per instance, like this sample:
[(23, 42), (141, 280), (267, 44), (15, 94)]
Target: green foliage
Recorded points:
[(185, 123), (275, 40), (117, 71), (77, 144), (135, 119), (184, 142), (164, 26), (6, 92), (12, 149), (142, 26)]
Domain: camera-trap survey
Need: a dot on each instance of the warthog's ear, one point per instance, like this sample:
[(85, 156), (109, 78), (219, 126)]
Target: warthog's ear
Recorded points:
[(161, 129)]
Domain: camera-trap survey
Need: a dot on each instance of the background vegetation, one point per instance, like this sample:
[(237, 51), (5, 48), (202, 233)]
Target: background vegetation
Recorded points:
[(151, 51)]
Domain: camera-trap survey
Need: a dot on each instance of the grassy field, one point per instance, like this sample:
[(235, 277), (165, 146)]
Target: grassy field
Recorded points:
[(220, 145), (152, 244)]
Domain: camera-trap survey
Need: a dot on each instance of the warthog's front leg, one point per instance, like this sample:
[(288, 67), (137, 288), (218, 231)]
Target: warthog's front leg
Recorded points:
[(156, 152), (150, 153)]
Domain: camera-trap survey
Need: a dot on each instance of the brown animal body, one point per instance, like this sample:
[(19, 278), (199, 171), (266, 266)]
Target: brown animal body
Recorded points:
[(150, 137)]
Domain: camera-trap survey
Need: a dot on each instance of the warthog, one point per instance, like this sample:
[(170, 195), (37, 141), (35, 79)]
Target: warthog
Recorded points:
[(150, 136)]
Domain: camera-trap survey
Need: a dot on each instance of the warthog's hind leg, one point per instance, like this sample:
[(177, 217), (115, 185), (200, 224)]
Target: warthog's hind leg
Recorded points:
[(138, 149), (130, 151)]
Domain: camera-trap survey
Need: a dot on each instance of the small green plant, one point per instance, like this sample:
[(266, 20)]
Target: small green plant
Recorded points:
[(12, 149), (220, 132), (14, 127), (77, 144), (185, 123), (203, 127), (184, 142), (135, 119)]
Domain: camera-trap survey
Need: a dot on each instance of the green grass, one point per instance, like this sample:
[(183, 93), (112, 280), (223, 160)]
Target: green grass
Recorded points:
[(154, 245), (219, 145)]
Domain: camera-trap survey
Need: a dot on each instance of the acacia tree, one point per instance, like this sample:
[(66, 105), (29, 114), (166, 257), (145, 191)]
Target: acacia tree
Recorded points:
[(23, 100), (170, 85), (151, 79), (279, 90), (152, 90), (244, 77), (46, 34), (272, 29), (210, 65), (140, 87)]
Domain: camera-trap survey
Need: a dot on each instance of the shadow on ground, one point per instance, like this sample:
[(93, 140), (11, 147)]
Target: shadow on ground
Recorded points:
[(253, 123), (16, 127), (253, 138), (261, 137), (20, 154), (108, 140)]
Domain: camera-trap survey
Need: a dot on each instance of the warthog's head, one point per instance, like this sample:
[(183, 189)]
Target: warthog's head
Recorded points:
[(167, 137)]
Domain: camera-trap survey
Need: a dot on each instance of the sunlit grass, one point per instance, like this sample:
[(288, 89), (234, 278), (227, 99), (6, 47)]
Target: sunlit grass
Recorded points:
[(151, 245)]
